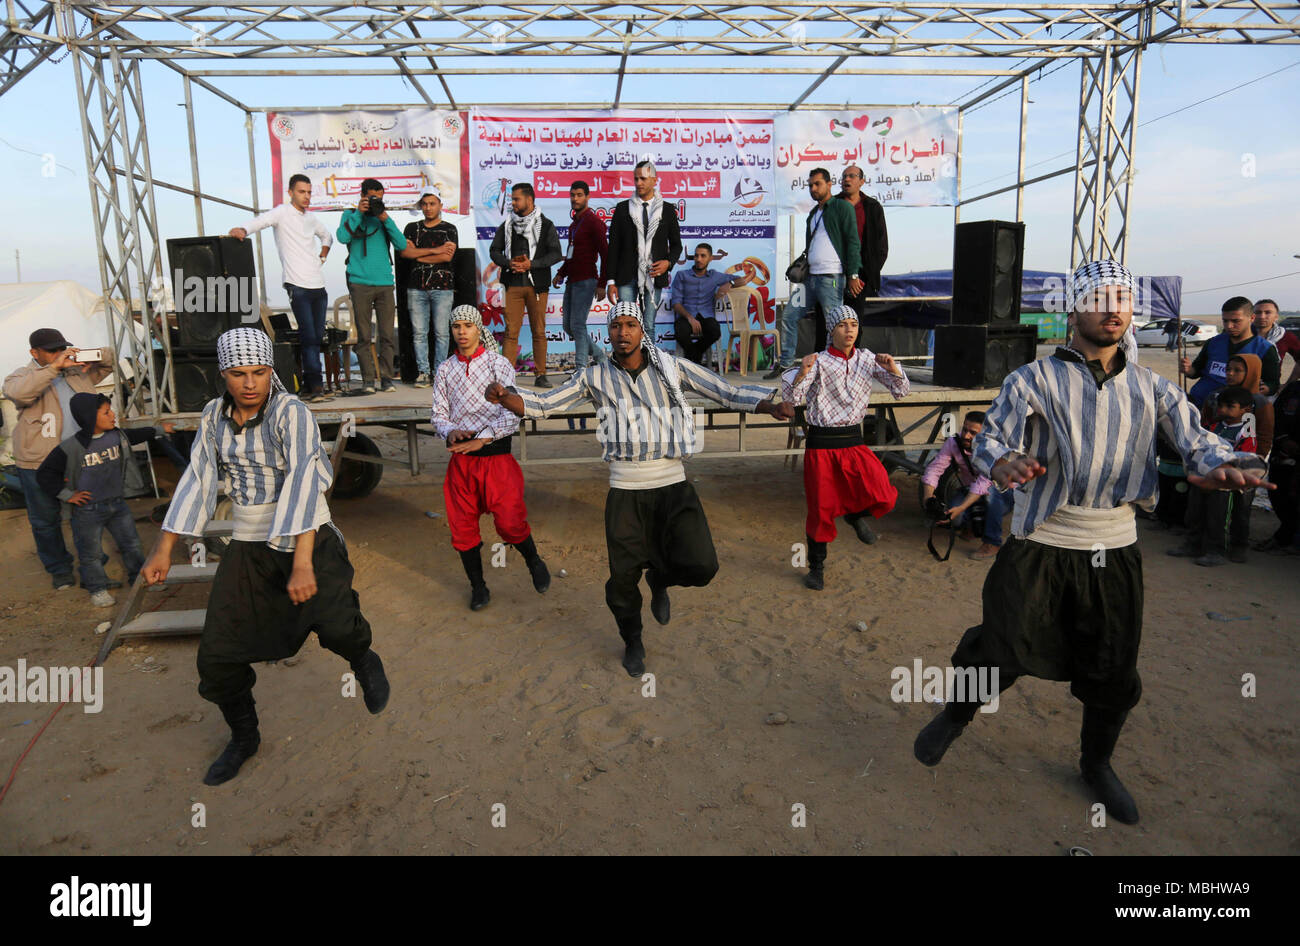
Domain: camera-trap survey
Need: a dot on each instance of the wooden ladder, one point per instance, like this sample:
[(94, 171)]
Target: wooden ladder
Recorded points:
[(130, 622)]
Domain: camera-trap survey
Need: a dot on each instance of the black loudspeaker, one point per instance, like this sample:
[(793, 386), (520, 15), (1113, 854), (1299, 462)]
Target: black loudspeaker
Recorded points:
[(464, 265), (987, 263), (197, 380), (981, 356), (286, 365), (213, 287)]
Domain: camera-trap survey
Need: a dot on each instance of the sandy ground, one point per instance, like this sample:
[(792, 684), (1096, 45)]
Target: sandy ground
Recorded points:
[(524, 704)]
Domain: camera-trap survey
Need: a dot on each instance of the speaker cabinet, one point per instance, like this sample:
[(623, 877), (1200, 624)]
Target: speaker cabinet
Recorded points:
[(981, 356), (197, 380), (987, 263), (214, 287)]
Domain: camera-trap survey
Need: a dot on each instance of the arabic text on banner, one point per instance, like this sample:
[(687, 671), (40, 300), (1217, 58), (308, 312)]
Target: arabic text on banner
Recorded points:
[(908, 155), (714, 168), (410, 152)]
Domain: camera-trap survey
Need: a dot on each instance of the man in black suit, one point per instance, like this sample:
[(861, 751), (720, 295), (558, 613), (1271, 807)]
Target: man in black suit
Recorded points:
[(872, 235), (645, 242)]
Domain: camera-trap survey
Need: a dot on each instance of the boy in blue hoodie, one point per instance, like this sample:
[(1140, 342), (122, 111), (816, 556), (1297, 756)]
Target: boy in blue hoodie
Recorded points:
[(88, 471)]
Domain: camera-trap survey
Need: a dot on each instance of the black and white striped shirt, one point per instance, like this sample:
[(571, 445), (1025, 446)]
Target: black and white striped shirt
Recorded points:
[(275, 459), (637, 419), (1097, 442)]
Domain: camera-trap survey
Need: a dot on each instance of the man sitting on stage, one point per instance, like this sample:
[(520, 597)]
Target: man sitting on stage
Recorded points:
[(841, 476), (483, 476), (286, 571), (653, 518), (692, 297), (1078, 432)]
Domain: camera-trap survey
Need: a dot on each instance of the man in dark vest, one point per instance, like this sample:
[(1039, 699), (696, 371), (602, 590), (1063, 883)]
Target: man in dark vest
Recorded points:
[(1211, 365)]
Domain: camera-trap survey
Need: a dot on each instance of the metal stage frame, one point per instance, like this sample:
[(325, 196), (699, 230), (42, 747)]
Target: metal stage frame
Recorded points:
[(452, 43)]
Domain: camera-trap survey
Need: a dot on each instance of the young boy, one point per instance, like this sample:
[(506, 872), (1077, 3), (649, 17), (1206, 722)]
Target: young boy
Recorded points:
[(1210, 511), (483, 476), (88, 471), (841, 476)]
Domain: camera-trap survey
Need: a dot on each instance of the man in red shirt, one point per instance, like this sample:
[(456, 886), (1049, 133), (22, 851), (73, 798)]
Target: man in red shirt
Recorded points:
[(585, 267)]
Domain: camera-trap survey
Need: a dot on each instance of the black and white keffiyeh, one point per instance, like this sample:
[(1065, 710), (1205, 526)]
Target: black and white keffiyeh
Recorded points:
[(660, 360), (1101, 274), (244, 347), (470, 314), (528, 226), (1098, 274), (644, 240), (835, 317)]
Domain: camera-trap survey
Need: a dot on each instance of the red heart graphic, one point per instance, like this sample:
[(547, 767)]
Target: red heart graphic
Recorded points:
[(861, 122), (884, 126)]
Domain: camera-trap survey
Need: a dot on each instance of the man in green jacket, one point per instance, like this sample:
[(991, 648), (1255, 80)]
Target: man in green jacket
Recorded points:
[(834, 258), (367, 231)]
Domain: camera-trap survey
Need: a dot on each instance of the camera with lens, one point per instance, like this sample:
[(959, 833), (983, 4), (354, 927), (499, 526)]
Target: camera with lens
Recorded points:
[(376, 207), (935, 509)]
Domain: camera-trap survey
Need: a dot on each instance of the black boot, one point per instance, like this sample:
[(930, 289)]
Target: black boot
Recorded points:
[(933, 741), (816, 563), (536, 567), (241, 716), (634, 651), (660, 606), (862, 526), (374, 683), (479, 594), (1097, 740)]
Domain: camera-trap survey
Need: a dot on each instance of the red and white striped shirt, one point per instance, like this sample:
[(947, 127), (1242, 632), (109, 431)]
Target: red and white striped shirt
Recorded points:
[(838, 386), (458, 401)]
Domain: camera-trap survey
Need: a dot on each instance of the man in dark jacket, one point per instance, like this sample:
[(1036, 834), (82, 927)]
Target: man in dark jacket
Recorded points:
[(526, 246), (645, 242), (834, 258), (88, 471), (872, 234)]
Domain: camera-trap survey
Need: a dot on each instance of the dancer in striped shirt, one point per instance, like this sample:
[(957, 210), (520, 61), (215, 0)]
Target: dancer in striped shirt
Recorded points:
[(841, 476), (1063, 600), (653, 518), (482, 476), (286, 571)]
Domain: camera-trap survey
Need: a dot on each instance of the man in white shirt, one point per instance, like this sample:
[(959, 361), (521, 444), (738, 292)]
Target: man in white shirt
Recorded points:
[(296, 230)]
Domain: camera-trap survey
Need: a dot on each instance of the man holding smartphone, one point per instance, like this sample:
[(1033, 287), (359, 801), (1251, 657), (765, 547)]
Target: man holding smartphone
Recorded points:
[(42, 391)]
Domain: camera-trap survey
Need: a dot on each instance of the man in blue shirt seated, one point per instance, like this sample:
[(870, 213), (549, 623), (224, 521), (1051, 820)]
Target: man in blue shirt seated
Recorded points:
[(692, 298)]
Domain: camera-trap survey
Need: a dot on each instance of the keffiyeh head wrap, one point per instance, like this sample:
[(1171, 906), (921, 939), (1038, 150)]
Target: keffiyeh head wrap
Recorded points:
[(835, 316), (1098, 274), (470, 314), (657, 358), (245, 347)]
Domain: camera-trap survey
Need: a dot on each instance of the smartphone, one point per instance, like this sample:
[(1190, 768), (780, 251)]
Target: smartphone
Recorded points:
[(90, 355)]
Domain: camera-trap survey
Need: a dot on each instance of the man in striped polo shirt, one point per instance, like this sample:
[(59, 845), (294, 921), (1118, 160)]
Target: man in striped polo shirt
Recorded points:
[(653, 518), (1063, 600), (286, 571)]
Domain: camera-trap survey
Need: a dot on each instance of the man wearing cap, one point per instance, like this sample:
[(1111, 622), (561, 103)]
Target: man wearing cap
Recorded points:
[(286, 571), (42, 391), (653, 519), (1063, 600)]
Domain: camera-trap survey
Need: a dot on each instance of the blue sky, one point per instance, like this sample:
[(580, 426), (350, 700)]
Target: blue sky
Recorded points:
[(1195, 212)]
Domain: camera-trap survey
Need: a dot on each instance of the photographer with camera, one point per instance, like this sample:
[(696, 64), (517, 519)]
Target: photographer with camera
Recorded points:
[(368, 231), (431, 243), (42, 390), (982, 505)]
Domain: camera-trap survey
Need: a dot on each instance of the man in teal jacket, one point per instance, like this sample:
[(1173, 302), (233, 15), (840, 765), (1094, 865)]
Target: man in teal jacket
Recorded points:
[(834, 258), (368, 231)]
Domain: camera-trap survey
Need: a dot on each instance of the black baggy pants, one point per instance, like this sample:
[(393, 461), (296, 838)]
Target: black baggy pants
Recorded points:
[(250, 617), (662, 529)]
